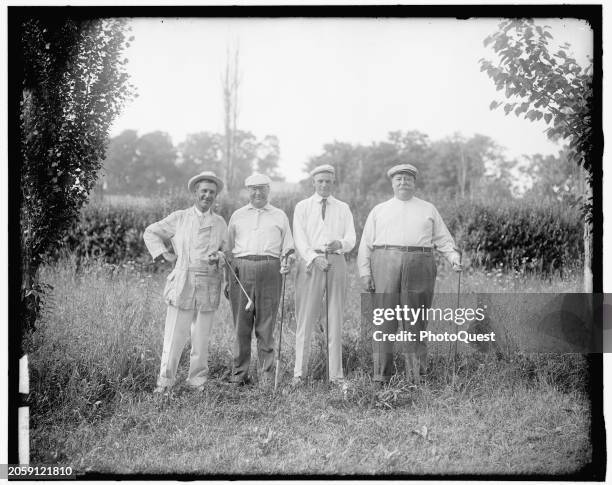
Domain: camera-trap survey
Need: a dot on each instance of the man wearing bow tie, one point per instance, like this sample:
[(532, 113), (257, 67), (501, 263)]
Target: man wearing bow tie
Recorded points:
[(324, 232)]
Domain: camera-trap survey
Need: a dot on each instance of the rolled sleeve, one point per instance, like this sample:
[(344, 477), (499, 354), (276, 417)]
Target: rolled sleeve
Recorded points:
[(442, 239), (302, 242), (365, 247), (287, 243), (349, 237)]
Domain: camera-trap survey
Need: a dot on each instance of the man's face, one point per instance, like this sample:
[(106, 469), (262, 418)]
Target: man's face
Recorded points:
[(205, 194), (404, 185), (323, 183), (258, 195)]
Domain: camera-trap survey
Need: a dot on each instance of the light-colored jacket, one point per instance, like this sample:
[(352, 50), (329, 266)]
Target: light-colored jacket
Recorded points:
[(193, 283)]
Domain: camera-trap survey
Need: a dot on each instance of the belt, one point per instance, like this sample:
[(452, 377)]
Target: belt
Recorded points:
[(258, 258), (408, 249), (320, 251)]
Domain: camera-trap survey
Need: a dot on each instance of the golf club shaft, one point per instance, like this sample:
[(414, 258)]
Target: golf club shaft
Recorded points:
[(326, 321), (280, 336), (239, 283)]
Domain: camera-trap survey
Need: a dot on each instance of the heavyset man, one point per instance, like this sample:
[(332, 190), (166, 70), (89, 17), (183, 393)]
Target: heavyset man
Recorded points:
[(259, 236), (396, 259), (193, 287), (324, 231)]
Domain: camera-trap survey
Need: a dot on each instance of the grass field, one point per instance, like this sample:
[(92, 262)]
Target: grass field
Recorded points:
[(96, 356)]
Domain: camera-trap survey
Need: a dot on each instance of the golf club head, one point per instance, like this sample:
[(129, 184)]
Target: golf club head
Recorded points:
[(249, 306)]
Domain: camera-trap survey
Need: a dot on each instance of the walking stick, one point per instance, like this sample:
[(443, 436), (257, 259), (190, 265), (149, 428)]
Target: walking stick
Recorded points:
[(280, 336), (326, 322)]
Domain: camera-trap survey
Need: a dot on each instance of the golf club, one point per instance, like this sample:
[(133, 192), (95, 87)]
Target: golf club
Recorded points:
[(280, 336), (249, 305), (326, 321)]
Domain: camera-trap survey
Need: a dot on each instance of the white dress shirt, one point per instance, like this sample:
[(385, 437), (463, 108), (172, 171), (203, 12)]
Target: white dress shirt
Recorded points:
[(312, 233), (413, 222), (259, 232)]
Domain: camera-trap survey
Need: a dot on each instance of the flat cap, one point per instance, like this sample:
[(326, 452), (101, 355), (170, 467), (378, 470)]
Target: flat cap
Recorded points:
[(323, 168), (206, 175), (257, 179), (402, 168)]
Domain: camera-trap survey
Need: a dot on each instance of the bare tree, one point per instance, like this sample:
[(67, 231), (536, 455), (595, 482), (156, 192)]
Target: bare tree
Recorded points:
[(231, 83)]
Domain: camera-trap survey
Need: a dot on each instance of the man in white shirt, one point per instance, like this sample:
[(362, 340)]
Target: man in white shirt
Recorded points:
[(193, 287), (259, 236), (324, 231), (395, 258)]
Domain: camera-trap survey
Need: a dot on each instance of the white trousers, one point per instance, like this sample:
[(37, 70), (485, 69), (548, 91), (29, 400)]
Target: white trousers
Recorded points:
[(178, 325), (309, 307)]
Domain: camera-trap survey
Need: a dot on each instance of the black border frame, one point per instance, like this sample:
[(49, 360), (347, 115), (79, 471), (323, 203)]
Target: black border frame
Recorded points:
[(595, 471)]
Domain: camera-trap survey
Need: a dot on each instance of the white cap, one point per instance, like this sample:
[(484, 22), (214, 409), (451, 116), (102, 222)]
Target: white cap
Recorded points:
[(404, 167), (257, 179), (323, 168)]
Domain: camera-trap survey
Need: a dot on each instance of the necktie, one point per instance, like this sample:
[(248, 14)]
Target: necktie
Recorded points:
[(323, 207)]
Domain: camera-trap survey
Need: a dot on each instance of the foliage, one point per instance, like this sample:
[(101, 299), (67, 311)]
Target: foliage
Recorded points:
[(544, 85), (512, 235), (74, 85), (150, 164), (453, 165)]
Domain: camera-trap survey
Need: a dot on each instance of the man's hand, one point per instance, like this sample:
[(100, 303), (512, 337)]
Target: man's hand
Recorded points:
[(368, 284), (226, 291), (216, 258), (457, 267), (333, 246), (322, 263), (170, 257), (287, 263)]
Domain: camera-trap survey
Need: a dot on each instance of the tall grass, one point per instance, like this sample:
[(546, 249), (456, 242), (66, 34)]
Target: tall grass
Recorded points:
[(101, 335)]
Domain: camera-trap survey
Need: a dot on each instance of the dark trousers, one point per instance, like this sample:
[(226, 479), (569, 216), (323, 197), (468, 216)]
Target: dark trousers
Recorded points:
[(402, 278), (262, 281)]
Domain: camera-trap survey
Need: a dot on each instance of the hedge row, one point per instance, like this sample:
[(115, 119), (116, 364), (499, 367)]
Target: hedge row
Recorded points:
[(510, 235)]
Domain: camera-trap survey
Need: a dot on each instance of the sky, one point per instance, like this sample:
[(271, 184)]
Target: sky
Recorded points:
[(313, 81)]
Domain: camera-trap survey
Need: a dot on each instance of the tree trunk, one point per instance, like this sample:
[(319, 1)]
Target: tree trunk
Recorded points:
[(588, 249)]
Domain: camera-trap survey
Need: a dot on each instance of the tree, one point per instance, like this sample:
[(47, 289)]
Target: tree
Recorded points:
[(553, 87), (120, 156), (554, 178), (154, 166), (231, 82), (201, 151), (74, 85), (268, 154)]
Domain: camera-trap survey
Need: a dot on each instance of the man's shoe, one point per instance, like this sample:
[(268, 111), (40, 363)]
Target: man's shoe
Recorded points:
[(161, 390), (242, 382)]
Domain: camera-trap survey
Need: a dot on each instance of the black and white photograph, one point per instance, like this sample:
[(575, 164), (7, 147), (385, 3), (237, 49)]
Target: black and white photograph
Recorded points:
[(353, 242)]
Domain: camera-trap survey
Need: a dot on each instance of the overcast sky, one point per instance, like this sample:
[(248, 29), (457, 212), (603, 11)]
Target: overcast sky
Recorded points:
[(312, 81)]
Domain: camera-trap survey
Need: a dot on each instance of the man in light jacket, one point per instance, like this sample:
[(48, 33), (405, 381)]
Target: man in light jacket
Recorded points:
[(199, 237)]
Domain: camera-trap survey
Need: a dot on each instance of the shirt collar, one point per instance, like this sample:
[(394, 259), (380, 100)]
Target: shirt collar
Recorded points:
[(317, 198), (265, 207), (200, 213)]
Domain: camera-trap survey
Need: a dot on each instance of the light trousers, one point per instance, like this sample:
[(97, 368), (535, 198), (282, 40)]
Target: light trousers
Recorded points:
[(179, 324), (309, 307)]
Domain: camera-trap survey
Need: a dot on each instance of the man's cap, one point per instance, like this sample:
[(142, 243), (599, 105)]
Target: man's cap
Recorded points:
[(206, 175), (257, 179), (323, 168), (402, 168)]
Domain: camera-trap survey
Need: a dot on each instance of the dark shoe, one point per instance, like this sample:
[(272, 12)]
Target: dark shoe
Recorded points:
[(241, 382)]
